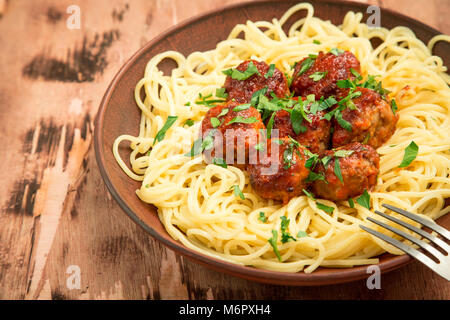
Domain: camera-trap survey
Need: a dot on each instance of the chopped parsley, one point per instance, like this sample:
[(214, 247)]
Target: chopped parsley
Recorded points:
[(364, 200), (256, 96), (316, 76), (312, 159), (260, 146), (341, 121), (262, 217), (270, 125), (305, 65), (337, 170), (394, 106), (223, 112), (302, 234), (309, 194), (240, 119), (220, 162), (357, 75), (343, 153), (297, 116), (270, 71), (285, 235), (288, 78), (336, 51), (273, 243), (239, 75), (202, 144), (314, 176), (162, 132), (189, 123), (242, 107), (288, 154), (215, 122), (351, 203), (324, 207), (220, 93), (206, 101), (326, 160), (238, 192)]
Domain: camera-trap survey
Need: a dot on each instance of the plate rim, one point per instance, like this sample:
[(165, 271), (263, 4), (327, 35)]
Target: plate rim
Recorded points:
[(342, 275)]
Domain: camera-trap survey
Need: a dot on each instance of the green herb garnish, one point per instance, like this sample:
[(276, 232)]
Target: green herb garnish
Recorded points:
[(343, 153), (162, 133), (314, 176), (240, 119), (189, 123), (302, 234), (220, 162), (309, 194), (273, 243), (239, 75), (337, 170), (270, 71), (351, 203), (242, 107), (316, 76), (394, 106), (364, 200), (285, 236), (305, 65), (262, 217), (238, 192), (324, 207), (206, 101), (215, 122), (202, 144), (336, 51), (221, 93)]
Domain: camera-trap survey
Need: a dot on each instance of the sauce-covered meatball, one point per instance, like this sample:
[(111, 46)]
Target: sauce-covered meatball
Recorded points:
[(319, 75), (314, 135), (371, 118), (231, 132), (356, 164), (280, 173), (261, 76)]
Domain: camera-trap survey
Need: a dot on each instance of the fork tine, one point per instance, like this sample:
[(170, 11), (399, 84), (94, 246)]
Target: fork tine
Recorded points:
[(405, 248), (403, 234), (421, 232), (433, 226)]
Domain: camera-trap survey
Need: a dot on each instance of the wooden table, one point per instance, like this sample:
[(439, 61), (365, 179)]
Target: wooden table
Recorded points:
[(57, 217)]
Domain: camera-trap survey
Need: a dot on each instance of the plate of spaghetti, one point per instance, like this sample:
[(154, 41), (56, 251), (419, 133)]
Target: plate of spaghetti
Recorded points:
[(257, 139)]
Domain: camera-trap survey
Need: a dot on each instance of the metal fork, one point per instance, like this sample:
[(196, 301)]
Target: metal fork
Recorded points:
[(443, 266)]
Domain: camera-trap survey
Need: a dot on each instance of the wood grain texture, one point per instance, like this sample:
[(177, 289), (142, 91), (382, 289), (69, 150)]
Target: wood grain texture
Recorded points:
[(55, 209)]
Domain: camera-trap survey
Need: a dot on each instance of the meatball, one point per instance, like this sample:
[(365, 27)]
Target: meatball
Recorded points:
[(315, 135), (328, 69), (242, 90), (371, 118), (280, 173), (358, 165), (235, 130)]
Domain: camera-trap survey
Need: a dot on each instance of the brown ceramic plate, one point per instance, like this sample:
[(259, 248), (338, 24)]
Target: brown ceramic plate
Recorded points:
[(118, 114)]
